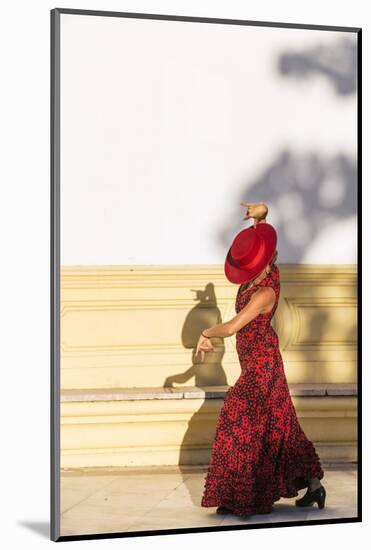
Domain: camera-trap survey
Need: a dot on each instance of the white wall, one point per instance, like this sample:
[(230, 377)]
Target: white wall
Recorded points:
[(24, 222), (166, 126)]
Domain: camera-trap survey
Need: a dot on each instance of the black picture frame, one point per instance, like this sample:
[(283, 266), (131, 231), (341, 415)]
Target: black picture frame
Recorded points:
[(55, 266)]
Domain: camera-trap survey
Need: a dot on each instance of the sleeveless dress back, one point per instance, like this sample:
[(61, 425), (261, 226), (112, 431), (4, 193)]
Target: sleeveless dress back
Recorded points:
[(260, 452)]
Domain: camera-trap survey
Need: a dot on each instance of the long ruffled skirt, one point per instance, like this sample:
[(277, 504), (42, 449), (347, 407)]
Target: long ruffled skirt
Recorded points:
[(260, 452)]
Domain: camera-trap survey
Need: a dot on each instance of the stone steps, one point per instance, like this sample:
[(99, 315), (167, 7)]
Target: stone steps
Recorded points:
[(158, 426)]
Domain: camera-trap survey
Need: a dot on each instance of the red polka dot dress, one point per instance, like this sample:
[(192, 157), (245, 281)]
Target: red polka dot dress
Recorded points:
[(260, 452)]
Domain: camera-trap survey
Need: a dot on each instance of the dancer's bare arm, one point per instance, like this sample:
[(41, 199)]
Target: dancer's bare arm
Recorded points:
[(261, 301)]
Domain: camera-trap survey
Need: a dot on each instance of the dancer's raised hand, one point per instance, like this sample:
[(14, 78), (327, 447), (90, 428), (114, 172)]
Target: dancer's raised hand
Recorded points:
[(256, 210), (204, 344)]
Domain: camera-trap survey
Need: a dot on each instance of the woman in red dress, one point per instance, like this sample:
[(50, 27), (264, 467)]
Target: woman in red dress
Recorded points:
[(260, 452)]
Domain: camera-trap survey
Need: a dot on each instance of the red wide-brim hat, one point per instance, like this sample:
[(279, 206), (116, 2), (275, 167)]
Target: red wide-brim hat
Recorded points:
[(251, 250)]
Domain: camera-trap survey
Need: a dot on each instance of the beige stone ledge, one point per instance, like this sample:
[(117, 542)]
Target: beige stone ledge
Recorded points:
[(192, 392), (178, 469)]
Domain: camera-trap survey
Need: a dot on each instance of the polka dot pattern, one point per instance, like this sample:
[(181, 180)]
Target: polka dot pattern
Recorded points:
[(260, 452)]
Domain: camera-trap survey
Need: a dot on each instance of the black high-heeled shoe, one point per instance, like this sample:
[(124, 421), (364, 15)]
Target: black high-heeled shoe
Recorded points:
[(223, 510), (310, 497)]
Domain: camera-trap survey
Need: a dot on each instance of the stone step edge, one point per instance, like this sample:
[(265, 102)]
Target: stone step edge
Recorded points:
[(195, 392)]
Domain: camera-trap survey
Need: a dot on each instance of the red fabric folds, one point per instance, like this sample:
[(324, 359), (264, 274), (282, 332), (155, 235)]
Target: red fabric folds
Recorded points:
[(260, 452)]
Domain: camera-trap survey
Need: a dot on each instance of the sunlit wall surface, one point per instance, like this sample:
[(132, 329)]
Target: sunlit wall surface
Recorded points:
[(167, 126)]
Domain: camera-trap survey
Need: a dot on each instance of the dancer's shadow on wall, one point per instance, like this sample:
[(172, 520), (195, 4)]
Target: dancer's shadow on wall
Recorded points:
[(204, 314), (195, 445)]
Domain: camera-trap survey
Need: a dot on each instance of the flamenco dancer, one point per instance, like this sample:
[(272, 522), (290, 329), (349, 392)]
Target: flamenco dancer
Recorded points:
[(260, 452)]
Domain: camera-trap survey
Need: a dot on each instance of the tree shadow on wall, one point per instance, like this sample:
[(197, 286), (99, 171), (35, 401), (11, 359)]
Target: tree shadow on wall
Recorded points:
[(336, 62), (305, 193)]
